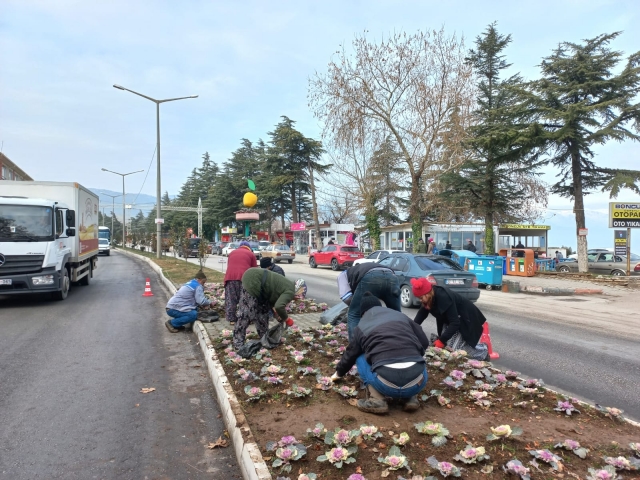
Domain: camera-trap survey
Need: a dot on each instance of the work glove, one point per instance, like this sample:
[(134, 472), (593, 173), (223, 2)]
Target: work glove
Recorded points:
[(438, 344), (335, 377)]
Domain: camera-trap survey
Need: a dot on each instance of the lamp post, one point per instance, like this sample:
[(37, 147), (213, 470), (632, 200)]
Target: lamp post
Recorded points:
[(113, 208), (123, 198), (158, 192)]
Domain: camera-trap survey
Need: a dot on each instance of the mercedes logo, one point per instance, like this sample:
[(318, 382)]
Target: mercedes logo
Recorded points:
[(2, 259)]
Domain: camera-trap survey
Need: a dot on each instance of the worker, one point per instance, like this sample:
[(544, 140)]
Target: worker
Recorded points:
[(183, 306), (459, 322), (240, 260), (262, 291), (267, 264), (367, 277), (388, 349)]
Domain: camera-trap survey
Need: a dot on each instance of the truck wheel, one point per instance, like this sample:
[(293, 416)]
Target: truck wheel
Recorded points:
[(64, 291), (108, 252), (406, 297), (334, 265), (312, 263), (86, 280)]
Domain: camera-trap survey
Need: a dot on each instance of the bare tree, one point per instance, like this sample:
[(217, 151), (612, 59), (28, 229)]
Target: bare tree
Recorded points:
[(415, 88)]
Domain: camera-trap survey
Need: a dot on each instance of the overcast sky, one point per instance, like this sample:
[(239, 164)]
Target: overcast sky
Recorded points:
[(249, 62)]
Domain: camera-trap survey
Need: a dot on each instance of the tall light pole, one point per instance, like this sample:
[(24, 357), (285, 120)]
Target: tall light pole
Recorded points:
[(158, 187), (113, 210), (123, 198)]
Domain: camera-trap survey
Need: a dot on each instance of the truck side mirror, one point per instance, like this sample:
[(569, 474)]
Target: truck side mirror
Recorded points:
[(71, 219), (71, 232)]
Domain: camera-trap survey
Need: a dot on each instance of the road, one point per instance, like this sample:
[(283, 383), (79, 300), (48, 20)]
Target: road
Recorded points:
[(70, 380), (579, 345)]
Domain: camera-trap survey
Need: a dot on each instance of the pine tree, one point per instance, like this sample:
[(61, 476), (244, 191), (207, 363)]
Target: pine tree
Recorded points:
[(584, 104)]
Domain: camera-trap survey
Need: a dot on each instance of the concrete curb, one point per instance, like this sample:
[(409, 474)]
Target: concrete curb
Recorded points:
[(247, 452), (167, 283), (554, 291)]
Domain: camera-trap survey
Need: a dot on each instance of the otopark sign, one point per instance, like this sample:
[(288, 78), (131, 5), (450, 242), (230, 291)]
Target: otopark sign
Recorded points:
[(624, 215)]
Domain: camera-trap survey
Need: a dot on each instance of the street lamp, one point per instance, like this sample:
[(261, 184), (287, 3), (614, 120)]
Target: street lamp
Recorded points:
[(113, 208), (123, 199), (158, 193)]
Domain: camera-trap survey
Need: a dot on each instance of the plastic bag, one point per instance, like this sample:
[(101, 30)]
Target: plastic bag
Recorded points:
[(335, 315), (270, 340)]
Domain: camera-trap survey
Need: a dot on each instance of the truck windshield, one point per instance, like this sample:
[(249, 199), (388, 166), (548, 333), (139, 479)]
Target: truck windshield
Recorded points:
[(21, 223)]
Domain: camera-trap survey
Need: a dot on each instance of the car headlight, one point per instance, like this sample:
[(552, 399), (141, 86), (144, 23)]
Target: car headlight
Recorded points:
[(42, 280)]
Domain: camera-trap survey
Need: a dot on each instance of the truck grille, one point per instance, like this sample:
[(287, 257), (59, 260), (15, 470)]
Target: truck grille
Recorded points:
[(18, 264)]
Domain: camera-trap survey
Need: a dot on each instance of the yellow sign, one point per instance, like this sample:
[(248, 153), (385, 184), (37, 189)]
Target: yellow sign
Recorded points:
[(518, 226), (626, 215)]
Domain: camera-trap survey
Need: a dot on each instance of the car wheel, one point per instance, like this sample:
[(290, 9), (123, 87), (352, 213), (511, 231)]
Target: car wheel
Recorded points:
[(334, 265), (406, 297), (290, 262), (564, 269), (312, 263), (619, 273), (489, 287), (108, 253)]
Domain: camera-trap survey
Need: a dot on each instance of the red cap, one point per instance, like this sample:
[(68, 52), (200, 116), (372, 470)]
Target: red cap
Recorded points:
[(421, 286)]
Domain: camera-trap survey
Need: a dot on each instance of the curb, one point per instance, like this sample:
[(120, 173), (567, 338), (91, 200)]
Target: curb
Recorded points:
[(554, 291), (167, 283), (247, 452)]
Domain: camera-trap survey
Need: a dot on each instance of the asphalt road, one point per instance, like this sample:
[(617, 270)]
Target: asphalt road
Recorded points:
[(70, 379)]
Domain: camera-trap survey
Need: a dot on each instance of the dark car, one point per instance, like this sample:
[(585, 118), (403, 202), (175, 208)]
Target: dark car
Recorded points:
[(191, 250), (217, 247), (255, 248), (435, 268)]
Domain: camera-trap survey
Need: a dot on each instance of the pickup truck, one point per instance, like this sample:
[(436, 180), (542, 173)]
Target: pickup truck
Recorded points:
[(335, 256)]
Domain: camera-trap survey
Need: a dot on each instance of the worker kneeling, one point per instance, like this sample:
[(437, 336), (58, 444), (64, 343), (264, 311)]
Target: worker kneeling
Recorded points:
[(388, 348)]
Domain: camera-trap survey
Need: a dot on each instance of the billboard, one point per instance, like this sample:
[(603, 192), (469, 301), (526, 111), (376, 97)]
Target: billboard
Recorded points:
[(624, 215)]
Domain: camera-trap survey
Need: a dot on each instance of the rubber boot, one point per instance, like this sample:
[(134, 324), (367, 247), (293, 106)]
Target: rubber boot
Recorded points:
[(412, 404), (375, 403)]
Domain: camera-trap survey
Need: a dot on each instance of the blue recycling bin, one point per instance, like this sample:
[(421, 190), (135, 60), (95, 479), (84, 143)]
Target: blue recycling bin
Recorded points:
[(488, 270), (458, 256)]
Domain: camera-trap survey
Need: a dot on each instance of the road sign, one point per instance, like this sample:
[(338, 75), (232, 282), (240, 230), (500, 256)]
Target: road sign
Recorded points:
[(583, 232), (620, 242), (624, 215), (159, 220)]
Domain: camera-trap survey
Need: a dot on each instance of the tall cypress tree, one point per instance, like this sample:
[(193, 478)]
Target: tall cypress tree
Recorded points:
[(585, 104), (500, 144)]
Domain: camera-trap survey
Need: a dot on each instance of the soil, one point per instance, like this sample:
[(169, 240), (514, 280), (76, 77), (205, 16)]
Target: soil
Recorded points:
[(277, 414)]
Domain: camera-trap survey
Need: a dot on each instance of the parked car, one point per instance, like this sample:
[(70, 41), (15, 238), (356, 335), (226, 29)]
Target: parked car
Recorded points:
[(255, 248), (104, 246), (217, 247), (592, 250), (264, 244), (376, 256), (279, 253), (438, 270), (604, 263), (210, 247), (336, 256), (192, 249), (228, 248)]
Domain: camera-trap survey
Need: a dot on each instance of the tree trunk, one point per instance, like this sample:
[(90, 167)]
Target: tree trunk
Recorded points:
[(294, 206), (316, 222), (489, 240), (284, 237), (415, 213), (578, 210)]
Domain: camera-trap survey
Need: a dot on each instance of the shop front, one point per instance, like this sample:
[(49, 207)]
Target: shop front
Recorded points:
[(534, 237)]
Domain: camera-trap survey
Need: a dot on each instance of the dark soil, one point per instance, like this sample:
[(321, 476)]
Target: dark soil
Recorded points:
[(277, 414)]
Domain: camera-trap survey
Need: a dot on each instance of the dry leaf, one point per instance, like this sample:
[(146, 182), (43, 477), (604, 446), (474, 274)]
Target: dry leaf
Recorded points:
[(137, 404), (266, 459), (397, 425), (391, 433), (148, 390), (487, 469), (218, 443), (359, 470), (385, 473), (353, 402), (197, 366), (382, 446)]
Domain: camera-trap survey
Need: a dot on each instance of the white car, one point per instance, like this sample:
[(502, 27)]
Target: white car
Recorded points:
[(229, 248), (104, 246), (376, 256)]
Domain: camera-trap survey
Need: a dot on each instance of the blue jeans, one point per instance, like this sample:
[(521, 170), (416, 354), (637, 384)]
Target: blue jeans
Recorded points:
[(381, 283), (180, 319), (369, 377)]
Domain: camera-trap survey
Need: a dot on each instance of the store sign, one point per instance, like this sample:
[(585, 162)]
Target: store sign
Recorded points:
[(625, 215), (229, 230), (297, 227), (620, 242), (517, 226)]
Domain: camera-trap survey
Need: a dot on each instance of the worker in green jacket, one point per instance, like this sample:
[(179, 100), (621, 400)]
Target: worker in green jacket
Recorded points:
[(262, 292)]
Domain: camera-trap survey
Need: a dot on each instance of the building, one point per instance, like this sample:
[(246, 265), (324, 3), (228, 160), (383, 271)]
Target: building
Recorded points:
[(10, 171), (400, 236)]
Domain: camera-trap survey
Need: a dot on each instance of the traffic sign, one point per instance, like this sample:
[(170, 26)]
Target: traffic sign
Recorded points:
[(583, 232), (159, 220), (620, 242), (624, 215)]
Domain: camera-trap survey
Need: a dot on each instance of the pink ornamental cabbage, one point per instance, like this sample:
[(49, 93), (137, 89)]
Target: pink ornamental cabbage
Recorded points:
[(458, 375), (619, 463), (356, 476)]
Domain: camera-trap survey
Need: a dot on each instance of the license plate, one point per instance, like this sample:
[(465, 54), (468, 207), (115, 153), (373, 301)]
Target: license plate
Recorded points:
[(454, 281), (5, 281), (353, 256)]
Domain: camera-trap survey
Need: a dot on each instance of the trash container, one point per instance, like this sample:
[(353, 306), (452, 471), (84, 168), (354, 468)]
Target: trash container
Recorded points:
[(488, 270)]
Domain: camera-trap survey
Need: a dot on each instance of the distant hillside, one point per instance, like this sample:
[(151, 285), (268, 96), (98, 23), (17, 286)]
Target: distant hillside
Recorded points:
[(143, 202)]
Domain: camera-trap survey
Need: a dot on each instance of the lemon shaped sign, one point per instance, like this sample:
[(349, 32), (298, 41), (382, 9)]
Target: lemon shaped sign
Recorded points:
[(249, 200)]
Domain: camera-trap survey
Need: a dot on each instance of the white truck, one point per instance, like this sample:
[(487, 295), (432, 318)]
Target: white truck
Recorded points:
[(48, 237)]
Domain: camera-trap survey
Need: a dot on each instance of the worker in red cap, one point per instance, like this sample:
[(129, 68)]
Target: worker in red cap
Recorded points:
[(459, 322)]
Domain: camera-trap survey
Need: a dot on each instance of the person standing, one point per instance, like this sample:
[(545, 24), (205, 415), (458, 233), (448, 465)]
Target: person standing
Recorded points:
[(240, 260), (262, 292), (388, 349), (459, 322), (448, 245), (421, 247), (183, 306), (367, 277), (430, 246), (470, 246), (520, 253)]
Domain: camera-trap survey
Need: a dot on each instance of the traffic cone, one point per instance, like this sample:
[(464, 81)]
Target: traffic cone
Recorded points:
[(147, 289), (486, 339)]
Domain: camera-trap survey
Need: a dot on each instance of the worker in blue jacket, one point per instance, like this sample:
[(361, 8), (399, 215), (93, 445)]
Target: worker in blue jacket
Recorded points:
[(183, 306)]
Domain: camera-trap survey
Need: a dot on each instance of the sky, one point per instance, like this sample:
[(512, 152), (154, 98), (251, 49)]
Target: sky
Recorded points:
[(249, 62)]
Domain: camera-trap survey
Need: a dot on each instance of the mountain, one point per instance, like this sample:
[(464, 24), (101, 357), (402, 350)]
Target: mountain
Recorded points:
[(143, 202)]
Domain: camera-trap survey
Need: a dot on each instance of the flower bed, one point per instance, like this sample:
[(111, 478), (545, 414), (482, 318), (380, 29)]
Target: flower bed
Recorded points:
[(473, 422), (215, 293)]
